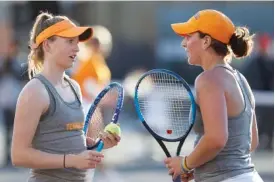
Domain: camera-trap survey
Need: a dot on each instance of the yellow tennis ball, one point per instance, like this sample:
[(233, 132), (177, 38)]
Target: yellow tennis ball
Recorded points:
[(113, 128)]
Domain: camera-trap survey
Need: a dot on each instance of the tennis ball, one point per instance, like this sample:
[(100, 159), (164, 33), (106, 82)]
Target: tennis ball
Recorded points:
[(113, 128)]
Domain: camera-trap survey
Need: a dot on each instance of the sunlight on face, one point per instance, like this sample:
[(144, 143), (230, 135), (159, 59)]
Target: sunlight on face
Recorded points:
[(193, 47), (64, 50)]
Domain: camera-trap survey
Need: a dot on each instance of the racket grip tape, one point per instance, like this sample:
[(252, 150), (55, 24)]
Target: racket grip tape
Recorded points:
[(100, 146), (178, 179)]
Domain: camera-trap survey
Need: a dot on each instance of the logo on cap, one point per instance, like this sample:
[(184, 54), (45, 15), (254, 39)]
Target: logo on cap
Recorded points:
[(197, 15)]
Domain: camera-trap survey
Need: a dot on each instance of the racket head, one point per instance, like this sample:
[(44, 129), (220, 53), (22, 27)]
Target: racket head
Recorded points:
[(154, 87), (112, 96)]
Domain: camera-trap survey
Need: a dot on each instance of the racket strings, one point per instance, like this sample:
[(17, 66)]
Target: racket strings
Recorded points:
[(103, 113), (96, 124), (166, 107)]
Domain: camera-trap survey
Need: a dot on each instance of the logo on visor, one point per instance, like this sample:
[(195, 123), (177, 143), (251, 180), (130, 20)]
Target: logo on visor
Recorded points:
[(196, 16)]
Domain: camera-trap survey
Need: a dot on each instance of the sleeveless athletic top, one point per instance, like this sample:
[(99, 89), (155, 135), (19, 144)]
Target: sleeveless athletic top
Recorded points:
[(59, 131), (235, 158)]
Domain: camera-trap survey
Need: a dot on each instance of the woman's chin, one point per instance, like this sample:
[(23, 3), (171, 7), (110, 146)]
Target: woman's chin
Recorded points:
[(190, 61), (68, 65)]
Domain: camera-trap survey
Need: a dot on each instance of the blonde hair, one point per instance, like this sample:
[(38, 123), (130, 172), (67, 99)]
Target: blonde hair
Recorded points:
[(36, 56)]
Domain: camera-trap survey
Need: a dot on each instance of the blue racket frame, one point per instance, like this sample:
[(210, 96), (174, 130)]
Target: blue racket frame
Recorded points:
[(192, 98), (99, 145), (158, 138)]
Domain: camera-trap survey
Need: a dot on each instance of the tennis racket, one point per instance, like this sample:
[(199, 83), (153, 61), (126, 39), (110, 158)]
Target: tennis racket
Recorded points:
[(111, 99), (166, 107)]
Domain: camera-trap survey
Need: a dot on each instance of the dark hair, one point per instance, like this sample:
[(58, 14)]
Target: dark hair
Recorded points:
[(240, 43), (36, 56)]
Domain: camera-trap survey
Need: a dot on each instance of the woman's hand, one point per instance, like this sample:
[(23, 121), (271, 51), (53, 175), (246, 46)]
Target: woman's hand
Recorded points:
[(174, 166), (85, 160), (186, 177), (110, 140)]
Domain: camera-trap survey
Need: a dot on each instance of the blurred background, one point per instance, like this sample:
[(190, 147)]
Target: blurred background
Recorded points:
[(131, 38)]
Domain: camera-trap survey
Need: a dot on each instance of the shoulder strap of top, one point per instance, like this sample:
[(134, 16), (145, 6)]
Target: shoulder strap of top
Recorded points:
[(52, 106)]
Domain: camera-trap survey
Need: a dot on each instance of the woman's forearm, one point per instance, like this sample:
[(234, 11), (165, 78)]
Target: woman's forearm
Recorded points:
[(32, 158), (206, 150)]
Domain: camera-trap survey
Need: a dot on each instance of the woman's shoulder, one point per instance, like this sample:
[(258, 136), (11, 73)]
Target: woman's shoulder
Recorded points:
[(34, 90), (211, 78)]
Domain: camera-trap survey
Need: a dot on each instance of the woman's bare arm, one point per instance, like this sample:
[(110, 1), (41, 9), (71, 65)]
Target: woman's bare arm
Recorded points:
[(255, 136), (211, 99), (32, 102)]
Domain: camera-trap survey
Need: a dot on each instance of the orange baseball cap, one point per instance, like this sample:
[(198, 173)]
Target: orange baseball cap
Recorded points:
[(211, 22), (65, 28)]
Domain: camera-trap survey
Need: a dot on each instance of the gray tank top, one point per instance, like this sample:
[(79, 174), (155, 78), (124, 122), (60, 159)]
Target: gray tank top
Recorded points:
[(59, 131), (235, 158)]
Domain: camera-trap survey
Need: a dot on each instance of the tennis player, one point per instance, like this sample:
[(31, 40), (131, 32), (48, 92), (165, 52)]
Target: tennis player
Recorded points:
[(49, 119), (225, 125)]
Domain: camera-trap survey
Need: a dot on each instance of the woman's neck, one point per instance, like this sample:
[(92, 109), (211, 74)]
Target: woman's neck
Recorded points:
[(210, 61), (53, 73)]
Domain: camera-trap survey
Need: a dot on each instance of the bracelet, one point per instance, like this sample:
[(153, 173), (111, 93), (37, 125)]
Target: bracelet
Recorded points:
[(64, 159), (185, 164), (184, 167)]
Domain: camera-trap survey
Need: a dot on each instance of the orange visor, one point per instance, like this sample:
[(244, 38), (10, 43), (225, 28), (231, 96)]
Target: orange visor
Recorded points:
[(65, 28)]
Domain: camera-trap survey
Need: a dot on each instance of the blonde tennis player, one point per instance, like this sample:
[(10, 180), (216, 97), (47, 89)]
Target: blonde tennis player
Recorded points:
[(48, 136), (225, 125)]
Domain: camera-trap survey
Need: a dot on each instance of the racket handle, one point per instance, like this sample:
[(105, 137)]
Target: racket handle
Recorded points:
[(178, 179), (100, 146)]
